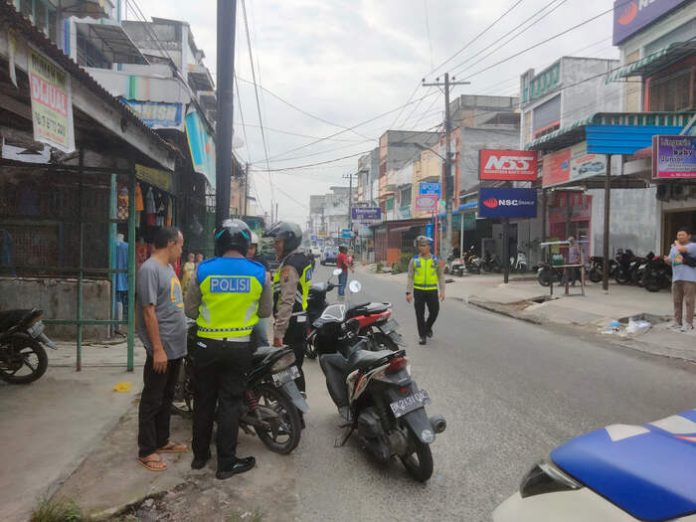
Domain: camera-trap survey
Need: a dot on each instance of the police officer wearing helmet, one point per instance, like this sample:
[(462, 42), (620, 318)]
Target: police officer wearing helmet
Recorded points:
[(425, 279), (290, 291), (227, 296)]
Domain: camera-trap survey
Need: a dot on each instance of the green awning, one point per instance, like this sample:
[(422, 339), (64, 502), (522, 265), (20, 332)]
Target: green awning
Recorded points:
[(652, 63)]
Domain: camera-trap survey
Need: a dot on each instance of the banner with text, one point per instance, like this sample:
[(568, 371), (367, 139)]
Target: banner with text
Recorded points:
[(674, 157), (507, 203), (507, 165), (51, 103)]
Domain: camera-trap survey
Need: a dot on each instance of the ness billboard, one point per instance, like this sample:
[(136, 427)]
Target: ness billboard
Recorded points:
[(630, 16), (507, 165)]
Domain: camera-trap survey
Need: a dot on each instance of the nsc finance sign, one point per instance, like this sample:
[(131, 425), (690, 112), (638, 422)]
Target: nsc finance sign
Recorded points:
[(507, 203), (507, 165)]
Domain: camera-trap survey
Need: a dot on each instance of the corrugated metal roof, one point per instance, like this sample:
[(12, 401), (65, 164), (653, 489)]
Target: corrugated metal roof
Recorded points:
[(654, 62), (24, 26)]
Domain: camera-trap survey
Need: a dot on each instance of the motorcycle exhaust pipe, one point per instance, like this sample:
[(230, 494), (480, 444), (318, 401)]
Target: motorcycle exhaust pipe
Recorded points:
[(438, 423)]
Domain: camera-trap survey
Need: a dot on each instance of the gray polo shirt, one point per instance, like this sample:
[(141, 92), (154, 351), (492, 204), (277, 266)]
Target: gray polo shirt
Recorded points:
[(158, 285)]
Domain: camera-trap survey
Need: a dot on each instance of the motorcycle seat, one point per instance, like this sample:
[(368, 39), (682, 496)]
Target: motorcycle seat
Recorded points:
[(10, 318), (364, 359), (367, 309)]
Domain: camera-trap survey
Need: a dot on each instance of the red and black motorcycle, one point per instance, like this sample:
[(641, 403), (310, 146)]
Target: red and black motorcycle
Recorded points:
[(375, 320)]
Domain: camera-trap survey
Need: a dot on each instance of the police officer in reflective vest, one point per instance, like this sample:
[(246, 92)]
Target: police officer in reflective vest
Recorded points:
[(426, 284), (290, 291), (227, 296)]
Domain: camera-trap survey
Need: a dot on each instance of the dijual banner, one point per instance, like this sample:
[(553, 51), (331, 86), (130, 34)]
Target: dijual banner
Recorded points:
[(674, 157), (51, 103), (202, 147)]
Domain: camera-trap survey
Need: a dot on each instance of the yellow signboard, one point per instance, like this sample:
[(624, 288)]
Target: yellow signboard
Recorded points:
[(159, 178)]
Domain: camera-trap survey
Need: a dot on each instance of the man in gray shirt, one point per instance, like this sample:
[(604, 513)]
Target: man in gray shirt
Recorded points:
[(683, 280), (162, 329)]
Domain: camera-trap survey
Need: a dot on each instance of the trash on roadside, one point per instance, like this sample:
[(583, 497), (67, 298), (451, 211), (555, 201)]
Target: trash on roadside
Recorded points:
[(123, 387), (637, 327), (613, 328)]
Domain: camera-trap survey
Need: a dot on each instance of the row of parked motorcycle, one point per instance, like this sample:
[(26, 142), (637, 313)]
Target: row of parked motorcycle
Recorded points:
[(649, 272), (472, 263)]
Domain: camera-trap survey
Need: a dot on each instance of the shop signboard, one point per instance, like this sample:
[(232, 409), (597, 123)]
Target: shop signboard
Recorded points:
[(202, 147), (633, 15), (346, 233), (507, 203), (426, 202), (51, 102), (425, 188), (159, 178), (674, 157), (507, 165), (366, 213), (157, 115), (572, 164)]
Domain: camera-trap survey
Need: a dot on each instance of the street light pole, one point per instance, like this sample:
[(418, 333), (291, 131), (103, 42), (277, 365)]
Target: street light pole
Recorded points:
[(448, 182)]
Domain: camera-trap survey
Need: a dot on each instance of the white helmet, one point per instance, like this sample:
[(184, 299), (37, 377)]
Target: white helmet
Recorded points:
[(254, 239)]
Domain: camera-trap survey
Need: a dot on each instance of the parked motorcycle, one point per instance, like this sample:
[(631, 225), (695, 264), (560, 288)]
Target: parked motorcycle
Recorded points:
[(596, 272), (375, 319), (657, 275), (627, 264), (377, 397), (472, 262), (454, 266), (547, 274), (23, 357), (519, 263), (491, 263), (272, 401)]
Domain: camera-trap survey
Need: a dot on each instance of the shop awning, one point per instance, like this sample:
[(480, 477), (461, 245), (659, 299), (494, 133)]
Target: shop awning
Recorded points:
[(471, 205), (614, 133), (112, 41), (652, 63)]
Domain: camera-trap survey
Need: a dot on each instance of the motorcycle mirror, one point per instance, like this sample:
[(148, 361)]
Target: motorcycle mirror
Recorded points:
[(355, 286), (337, 272)]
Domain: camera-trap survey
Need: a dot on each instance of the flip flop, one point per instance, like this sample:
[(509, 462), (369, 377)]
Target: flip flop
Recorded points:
[(152, 464), (173, 447)]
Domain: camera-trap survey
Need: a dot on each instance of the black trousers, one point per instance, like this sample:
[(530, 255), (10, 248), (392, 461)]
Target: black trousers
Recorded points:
[(295, 339), (421, 299), (219, 371), (155, 406)]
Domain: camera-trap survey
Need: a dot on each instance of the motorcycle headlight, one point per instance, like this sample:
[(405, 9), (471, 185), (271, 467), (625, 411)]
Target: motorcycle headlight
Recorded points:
[(284, 362), (546, 478)]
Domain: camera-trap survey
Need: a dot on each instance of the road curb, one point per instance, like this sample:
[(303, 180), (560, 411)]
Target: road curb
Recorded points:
[(497, 308)]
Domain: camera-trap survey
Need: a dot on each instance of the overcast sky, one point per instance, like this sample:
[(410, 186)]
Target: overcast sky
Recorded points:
[(345, 62)]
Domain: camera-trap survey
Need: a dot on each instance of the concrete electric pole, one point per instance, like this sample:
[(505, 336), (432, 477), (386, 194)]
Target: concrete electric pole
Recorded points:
[(226, 23), (447, 189)]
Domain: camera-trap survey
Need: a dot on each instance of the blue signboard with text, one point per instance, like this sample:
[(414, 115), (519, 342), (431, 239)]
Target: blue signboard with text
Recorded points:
[(346, 233), (428, 188), (366, 213), (507, 203)]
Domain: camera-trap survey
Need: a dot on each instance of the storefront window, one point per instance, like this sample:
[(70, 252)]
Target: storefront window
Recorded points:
[(673, 93)]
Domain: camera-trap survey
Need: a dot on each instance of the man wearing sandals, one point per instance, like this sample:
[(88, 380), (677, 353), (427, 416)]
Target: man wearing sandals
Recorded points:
[(162, 329)]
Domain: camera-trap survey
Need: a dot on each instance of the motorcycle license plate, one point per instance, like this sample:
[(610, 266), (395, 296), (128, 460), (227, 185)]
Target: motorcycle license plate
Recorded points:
[(284, 377), (390, 326), (410, 403), (36, 329)]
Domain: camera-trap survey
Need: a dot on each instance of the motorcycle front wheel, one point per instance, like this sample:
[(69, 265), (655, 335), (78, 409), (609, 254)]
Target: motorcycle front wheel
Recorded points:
[(545, 277), (419, 463), (310, 350), (595, 275), (622, 277), (22, 360), (283, 419)]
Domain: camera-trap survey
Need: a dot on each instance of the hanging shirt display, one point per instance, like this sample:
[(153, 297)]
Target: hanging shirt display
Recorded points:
[(139, 204), (150, 208), (122, 204)]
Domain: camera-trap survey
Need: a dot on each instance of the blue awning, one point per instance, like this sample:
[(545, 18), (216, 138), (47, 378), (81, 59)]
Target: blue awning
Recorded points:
[(471, 205)]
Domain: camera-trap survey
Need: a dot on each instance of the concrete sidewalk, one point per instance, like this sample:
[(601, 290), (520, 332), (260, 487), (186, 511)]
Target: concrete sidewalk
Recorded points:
[(523, 298), (50, 426)]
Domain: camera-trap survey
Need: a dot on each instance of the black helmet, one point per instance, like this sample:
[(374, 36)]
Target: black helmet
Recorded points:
[(290, 233), (233, 234)]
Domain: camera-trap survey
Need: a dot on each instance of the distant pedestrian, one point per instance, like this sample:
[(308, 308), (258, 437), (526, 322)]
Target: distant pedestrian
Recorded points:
[(682, 257), (345, 263), (162, 329), (426, 284), (573, 259), (199, 259)]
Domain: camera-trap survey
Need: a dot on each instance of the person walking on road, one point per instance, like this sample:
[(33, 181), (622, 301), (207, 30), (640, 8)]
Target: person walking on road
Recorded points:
[(162, 330), (290, 291), (425, 287), (682, 257), (228, 295), (344, 263)]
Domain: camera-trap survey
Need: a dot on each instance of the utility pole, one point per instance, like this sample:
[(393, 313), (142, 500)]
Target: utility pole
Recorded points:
[(246, 189), (276, 212), (350, 203), (226, 24), (448, 182)]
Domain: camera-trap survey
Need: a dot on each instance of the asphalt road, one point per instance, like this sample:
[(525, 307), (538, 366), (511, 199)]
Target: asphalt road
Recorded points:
[(510, 391)]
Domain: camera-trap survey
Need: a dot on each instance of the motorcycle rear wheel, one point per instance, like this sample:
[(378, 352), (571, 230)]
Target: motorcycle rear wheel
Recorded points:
[(622, 277), (595, 276), (19, 352), (419, 463), (284, 435), (310, 351), (545, 277)]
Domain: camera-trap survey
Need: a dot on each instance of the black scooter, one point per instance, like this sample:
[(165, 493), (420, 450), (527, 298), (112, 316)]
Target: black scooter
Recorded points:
[(377, 397), (272, 401), (23, 358)]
